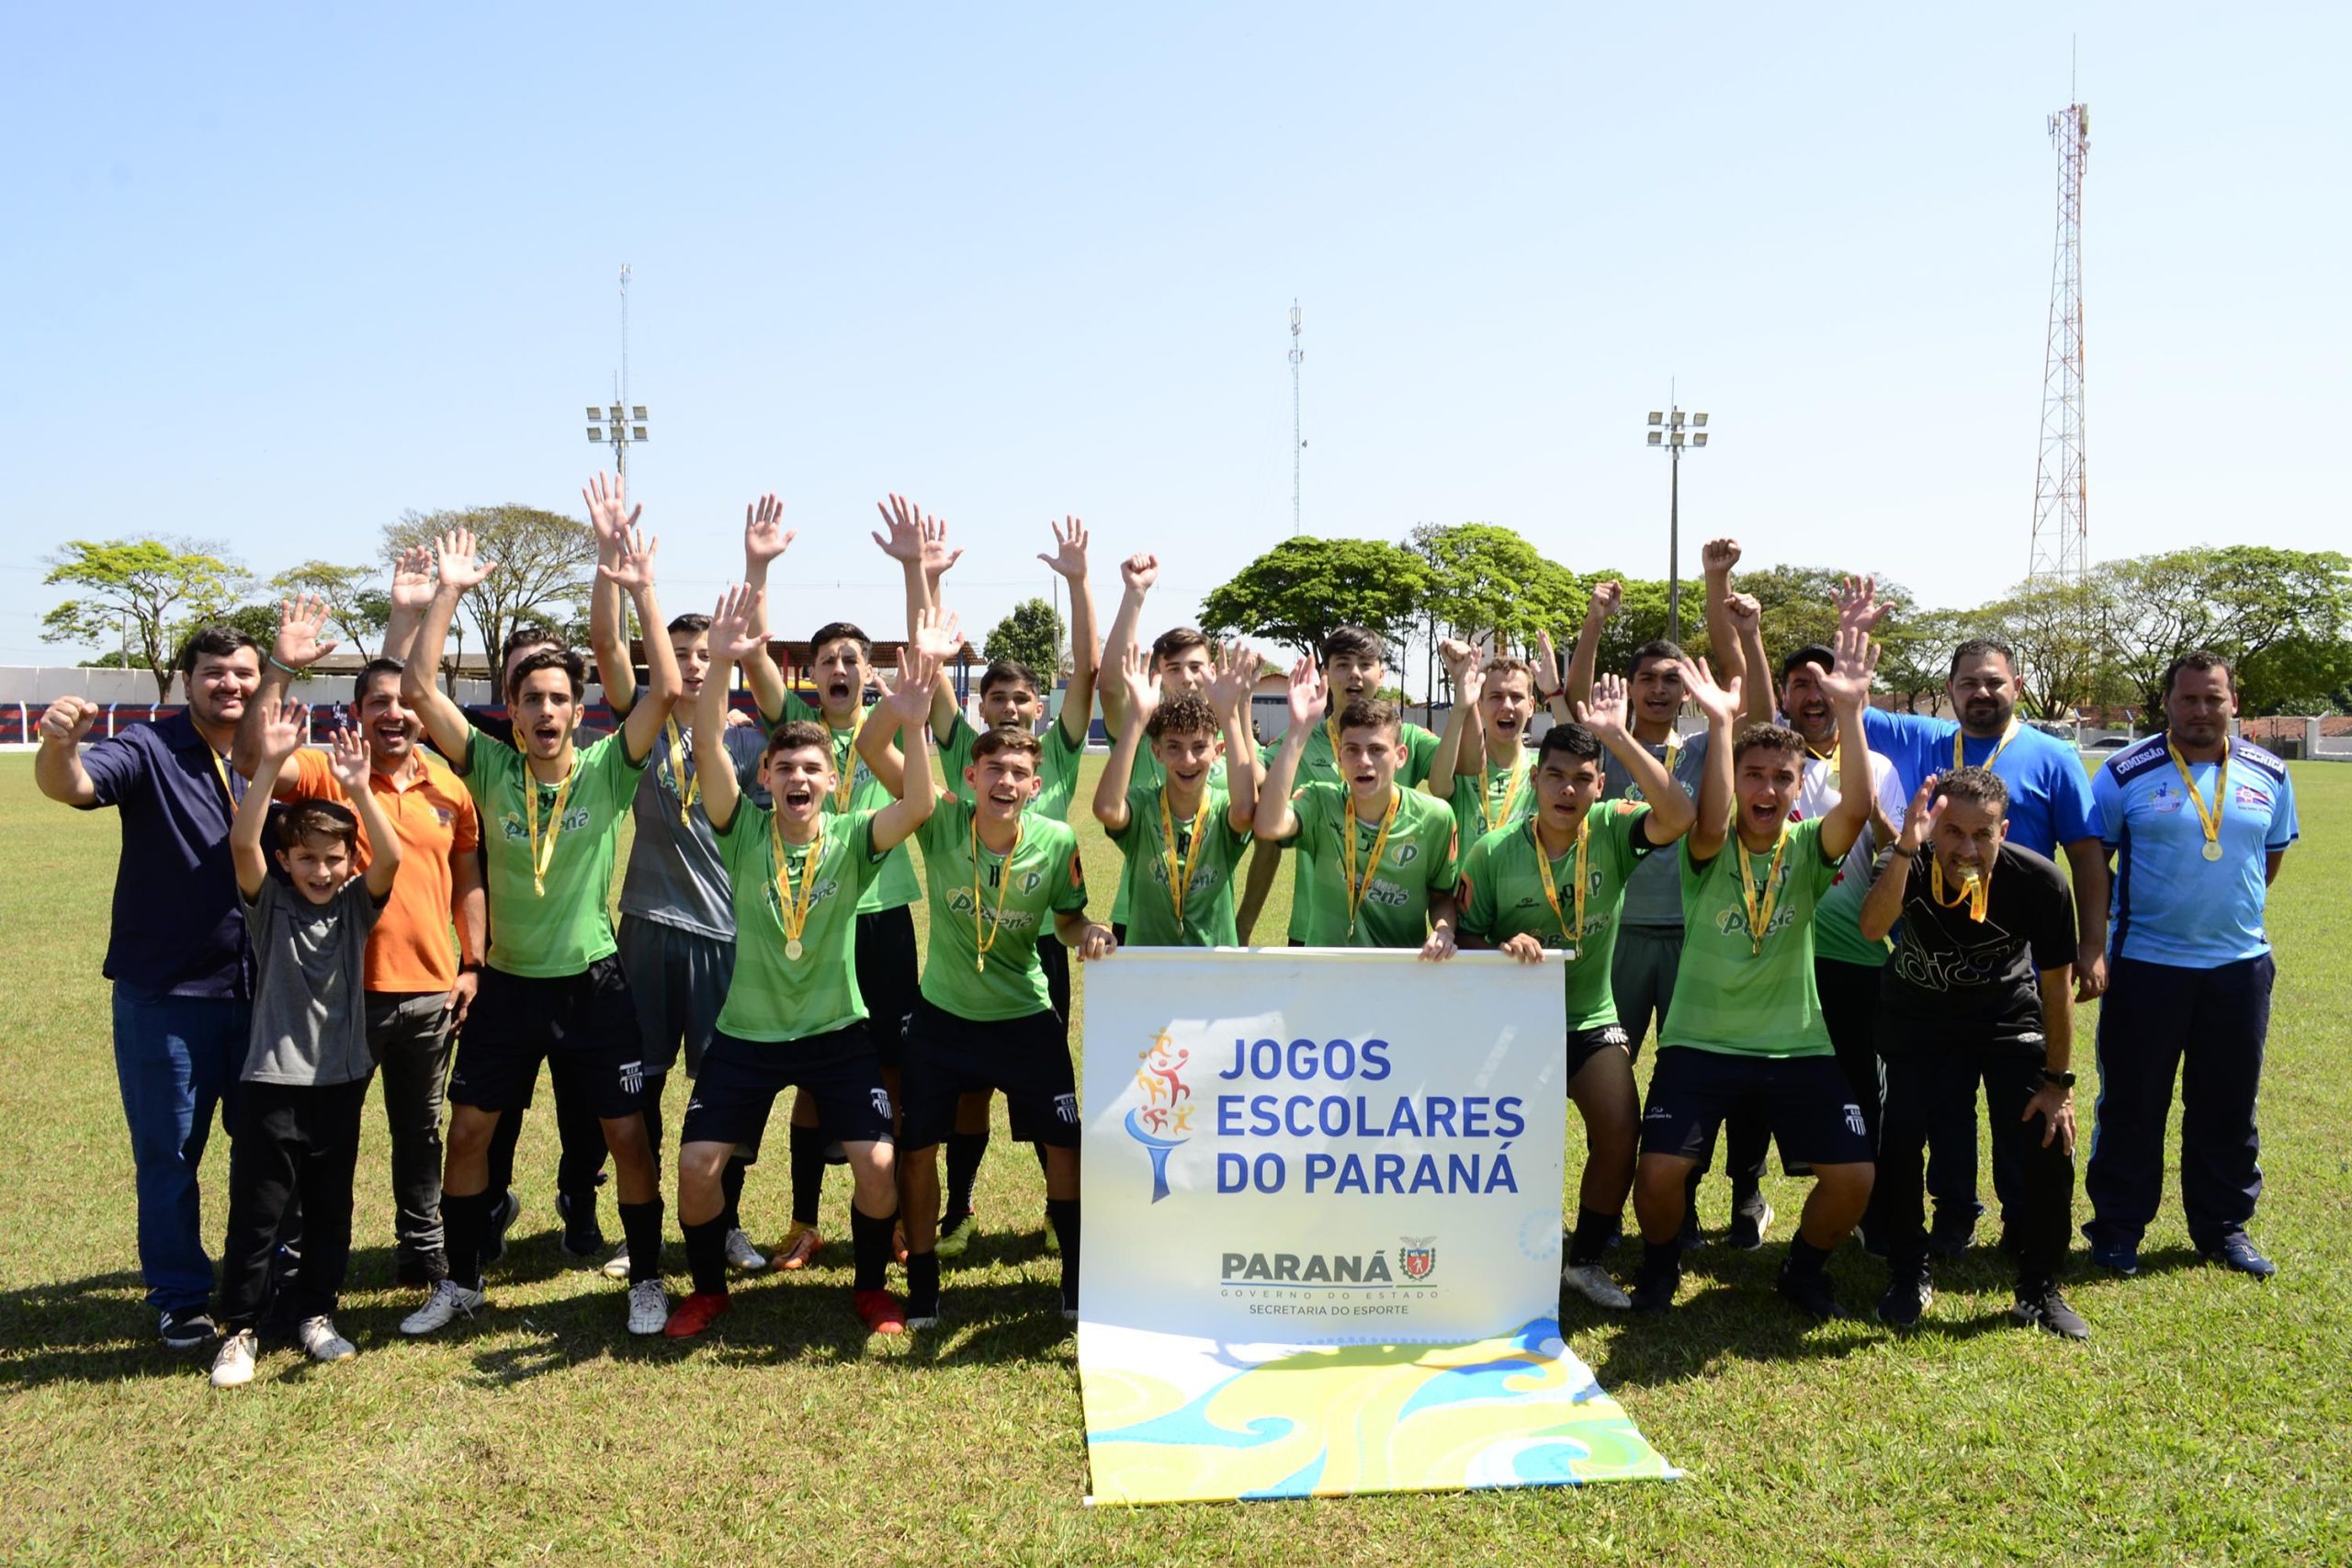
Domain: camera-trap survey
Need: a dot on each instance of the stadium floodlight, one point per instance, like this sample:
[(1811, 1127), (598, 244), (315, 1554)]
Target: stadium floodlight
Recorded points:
[(1670, 431), (594, 412), (637, 411), (1657, 418), (1657, 437), (596, 434)]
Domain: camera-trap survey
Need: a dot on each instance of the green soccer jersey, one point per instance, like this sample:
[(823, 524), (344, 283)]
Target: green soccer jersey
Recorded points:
[(1320, 764), (1057, 767), (1728, 996), (898, 885), (1145, 906), (774, 995), (1148, 772), (1416, 862), (559, 924), (1496, 797), (1016, 900), (1502, 896)]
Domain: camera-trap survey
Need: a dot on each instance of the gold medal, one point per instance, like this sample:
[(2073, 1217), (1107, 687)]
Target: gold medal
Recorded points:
[(543, 851), (1574, 933), (2209, 820), (1179, 866), (2212, 850), (1975, 889), (1760, 916), (984, 931), (1357, 892), (791, 907), (689, 790), (845, 765), (1496, 815), (792, 949)]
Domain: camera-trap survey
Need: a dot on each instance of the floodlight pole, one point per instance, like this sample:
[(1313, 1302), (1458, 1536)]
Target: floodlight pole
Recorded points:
[(1671, 430), (626, 419)]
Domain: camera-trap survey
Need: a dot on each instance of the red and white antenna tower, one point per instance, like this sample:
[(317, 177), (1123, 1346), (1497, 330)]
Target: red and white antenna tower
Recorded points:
[(2061, 482)]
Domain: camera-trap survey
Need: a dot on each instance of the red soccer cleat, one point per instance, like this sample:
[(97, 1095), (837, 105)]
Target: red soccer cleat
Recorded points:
[(879, 1310), (694, 1314)]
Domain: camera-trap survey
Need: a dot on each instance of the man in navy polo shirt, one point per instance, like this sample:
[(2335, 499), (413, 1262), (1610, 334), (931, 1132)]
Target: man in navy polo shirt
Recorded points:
[(2199, 824), (183, 978)]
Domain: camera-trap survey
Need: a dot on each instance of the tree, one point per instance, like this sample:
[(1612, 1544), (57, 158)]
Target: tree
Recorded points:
[(1640, 618), (2053, 628), (357, 605), (2240, 601), (1032, 633), (137, 594), (1488, 584), (547, 565), (1297, 592)]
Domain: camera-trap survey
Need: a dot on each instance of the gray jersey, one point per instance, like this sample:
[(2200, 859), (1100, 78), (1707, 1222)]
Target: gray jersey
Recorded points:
[(675, 876), (309, 997), (1654, 892)]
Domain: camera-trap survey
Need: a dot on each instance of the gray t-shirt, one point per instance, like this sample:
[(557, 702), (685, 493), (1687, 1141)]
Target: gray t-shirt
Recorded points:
[(309, 997), (675, 876), (1654, 892)]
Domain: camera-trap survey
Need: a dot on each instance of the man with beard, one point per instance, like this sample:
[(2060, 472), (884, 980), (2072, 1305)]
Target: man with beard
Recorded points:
[(417, 988), (2200, 825), (175, 949)]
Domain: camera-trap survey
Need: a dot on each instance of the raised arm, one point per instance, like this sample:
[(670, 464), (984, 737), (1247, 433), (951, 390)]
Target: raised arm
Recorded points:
[(1745, 614), (1848, 687), (347, 761), (738, 624), (57, 766), (1554, 696), (614, 523), (1138, 700), (765, 538), (1671, 812), (1459, 749), (1716, 558), (1713, 824), (277, 735), (1883, 904), (1275, 819), (298, 646), (1068, 561), (411, 590), (1606, 597), (907, 706), (1233, 680), (631, 571), (1136, 574), (459, 570)]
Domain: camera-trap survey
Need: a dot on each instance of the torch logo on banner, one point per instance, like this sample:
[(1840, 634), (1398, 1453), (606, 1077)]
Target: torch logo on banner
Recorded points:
[(1418, 1257), (1163, 1122)]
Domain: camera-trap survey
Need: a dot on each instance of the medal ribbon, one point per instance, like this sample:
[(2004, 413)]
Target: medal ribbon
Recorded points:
[(1180, 867), (1552, 894), (1496, 815), (793, 911), (845, 760), (220, 766), (1976, 889), (2211, 819), (1960, 736), (1379, 846), (1760, 916), (689, 789), (984, 931), (543, 852)]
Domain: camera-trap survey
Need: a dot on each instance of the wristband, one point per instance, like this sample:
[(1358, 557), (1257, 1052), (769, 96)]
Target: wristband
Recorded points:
[(272, 659), (2062, 1080), (1900, 853)]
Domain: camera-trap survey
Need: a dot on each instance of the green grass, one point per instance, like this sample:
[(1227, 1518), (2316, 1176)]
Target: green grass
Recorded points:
[(2207, 1419)]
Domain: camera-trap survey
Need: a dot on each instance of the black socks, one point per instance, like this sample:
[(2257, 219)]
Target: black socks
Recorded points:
[(1062, 1213), (706, 1255), (963, 1152), (870, 1248), (641, 1224), (807, 1173), (1594, 1232)]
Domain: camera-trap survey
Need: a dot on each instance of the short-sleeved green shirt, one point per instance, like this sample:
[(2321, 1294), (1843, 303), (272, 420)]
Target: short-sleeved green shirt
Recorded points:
[(1502, 896), (1496, 797), (773, 996), (1040, 879), (1148, 772), (1320, 764), (1419, 861), (1149, 911), (570, 926), (898, 885), (1729, 998), (1057, 767)]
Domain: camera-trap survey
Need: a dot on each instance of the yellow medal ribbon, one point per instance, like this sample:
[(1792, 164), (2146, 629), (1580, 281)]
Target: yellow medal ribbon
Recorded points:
[(846, 763), (1180, 867), (1495, 817), (1356, 893), (220, 766), (543, 852), (2211, 819), (689, 790), (1760, 916), (1574, 933), (1830, 756), (1960, 739), (1975, 889), (792, 911), (984, 931)]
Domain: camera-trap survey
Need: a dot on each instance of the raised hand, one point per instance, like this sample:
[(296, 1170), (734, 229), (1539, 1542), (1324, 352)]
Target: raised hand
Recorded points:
[(1068, 559), (907, 699), (347, 758), (608, 510), (1307, 693), (940, 634), (631, 567), (1605, 714), (1744, 610), (1720, 703), (902, 523), (461, 566), (1547, 667), (412, 579), (299, 621), (737, 623), (1141, 686), (1848, 685), (1469, 682), (1857, 601), (1139, 571), (1919, 818), (284, 727), (764, 535), (1233, 677), (1606, 597), (936, 557), (67, 719), (1456, 656), (1717, 556)]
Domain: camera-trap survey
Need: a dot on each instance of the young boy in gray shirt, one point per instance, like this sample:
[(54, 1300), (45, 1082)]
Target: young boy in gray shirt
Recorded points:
[(305, 1075)]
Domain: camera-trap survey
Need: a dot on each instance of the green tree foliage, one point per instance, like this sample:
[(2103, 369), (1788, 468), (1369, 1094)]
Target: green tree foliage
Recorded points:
[(1031, 634), (137, 594), (1298, 591), (547, 564), (2054, 630), (1488, 584), (357, 604), (2241, 601)]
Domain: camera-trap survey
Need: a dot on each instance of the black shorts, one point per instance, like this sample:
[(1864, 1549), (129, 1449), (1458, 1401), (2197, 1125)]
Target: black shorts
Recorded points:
[(1586, 1043), (741, 1079), (1053, 959), (1027, 1058), (885, 979), (1804, 1100), (584, 1026)]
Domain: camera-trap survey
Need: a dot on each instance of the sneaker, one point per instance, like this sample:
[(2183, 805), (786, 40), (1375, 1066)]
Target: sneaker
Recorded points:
[(582, 1236), (317, 1335), (2235, 1251), (234, 1367), (1906, 1301), (421, 1268), (187, 1329), (1749, 1221), (1952, 1235), (1591, 1281), (1654, 1293), (648, 1308), (799, 1249), (616, 1266), (2043, 1307), (956, 1234), (741, 1255), (1810, 1292), (448, 1300), (493, 1241), (691, 1316), (2117, 1257), (880, 1312)]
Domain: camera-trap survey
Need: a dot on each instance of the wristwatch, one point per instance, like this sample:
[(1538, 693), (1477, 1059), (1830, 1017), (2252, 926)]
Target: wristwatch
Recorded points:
[(2063, 1080)]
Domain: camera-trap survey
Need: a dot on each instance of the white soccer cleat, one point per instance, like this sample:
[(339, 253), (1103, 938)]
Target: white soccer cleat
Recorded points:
[(616, 1266), (1591, 1281), (318, 1337), (648, 1307), (448, 1300), (234, 1367), (741, 1255)]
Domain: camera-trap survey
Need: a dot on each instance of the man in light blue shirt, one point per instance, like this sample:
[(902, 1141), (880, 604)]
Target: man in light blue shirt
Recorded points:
[(2198, 824)]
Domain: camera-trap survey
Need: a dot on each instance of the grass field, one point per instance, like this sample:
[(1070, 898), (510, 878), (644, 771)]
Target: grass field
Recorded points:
[(2210, 1418)]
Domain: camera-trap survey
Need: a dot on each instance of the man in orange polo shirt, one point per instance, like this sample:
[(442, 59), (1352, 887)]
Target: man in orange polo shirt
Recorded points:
[(418, 983)]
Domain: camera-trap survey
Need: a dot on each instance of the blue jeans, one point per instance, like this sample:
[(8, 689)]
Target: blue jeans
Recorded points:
[(177, 1060)]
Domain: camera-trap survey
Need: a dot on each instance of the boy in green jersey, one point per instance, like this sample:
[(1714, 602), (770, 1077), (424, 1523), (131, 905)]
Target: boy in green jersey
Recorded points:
[(1482, 764), (1377, 859), (554, 991), (1743, 1031), (1555, 879), (998, 872), (1184, 832), (794, 1015)]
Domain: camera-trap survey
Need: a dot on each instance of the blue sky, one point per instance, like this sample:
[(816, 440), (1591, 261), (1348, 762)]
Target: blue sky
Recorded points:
[(276, 275)]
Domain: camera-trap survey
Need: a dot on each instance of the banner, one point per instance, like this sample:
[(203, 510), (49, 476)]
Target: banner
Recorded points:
[(1322, 1229)]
